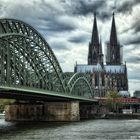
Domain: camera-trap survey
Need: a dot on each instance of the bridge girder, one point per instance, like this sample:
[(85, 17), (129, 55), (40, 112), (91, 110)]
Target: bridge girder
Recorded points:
[(33, 51), (26, 60), (79, 84)]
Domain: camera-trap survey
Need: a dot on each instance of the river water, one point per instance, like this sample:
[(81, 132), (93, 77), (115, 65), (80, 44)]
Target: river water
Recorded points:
[(83, 130)]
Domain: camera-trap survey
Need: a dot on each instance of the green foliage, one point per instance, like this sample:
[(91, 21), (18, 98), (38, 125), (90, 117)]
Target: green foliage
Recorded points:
[(113, 101), (3, 102), (6, 101)]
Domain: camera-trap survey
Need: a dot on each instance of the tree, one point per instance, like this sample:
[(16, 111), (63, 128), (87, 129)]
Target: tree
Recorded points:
[(113, 100), (3, 102)]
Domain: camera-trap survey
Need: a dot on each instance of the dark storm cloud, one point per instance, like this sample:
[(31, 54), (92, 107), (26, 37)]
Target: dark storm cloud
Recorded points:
[(55, 25), (88, 7), (58, 45), (79, 39), (133, 40), (104, 15), (52, 18), (136, 25), (84, 7), (42, 14), (134, 35), (134, 59), (126, 30), (126, 6)]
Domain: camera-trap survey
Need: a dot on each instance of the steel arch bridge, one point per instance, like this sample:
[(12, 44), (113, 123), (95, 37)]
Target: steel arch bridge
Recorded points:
[(28, 62)]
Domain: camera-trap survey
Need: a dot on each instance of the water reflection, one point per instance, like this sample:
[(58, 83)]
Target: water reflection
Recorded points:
[(85, 130)]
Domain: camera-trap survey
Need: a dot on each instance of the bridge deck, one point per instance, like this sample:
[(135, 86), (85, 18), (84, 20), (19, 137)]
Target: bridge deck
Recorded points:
[(38, 94)]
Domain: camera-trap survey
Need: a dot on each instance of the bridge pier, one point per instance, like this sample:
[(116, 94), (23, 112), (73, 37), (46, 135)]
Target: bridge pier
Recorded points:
[(50, 111), (88, 111)]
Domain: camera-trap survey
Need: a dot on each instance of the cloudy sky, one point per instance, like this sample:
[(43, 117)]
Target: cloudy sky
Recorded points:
[(67, 27)]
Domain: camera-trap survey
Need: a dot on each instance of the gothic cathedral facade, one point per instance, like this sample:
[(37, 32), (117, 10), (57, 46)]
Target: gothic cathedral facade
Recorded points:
[(111, 75)]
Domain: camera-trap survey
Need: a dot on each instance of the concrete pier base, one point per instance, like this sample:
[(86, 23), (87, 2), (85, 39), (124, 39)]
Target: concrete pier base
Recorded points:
[(88, 111), (62, 111), (51, 111)]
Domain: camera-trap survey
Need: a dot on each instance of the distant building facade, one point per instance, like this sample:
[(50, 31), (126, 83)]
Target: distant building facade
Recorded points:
[(109, 76), (137, 94)]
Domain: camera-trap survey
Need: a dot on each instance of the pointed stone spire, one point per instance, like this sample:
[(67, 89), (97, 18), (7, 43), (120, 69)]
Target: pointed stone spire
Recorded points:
[(95, 39), (94, 45), (113, 35), (113, 47)]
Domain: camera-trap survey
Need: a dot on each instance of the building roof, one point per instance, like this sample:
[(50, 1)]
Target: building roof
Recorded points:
[(124, 93), (115, 68), (98, 68), (88, 68)]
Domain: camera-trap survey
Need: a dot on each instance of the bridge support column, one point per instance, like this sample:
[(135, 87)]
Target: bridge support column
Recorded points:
[(24, 112), (51, 111), (62, 111), (88, 111)]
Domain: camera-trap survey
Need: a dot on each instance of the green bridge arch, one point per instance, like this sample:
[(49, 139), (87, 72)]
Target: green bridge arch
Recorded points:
[(26, 60)]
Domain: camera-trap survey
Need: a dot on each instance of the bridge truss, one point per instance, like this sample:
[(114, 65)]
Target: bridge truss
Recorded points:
[(27, 61)]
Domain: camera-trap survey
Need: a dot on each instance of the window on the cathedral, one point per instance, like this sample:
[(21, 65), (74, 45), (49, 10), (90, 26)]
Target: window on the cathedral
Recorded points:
[(96, 80)]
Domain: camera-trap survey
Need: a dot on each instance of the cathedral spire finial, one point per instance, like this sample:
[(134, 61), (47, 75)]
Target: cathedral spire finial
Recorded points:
[(113, 13), (95, 38), (94, 14), (113, 35), (94, 44), (113, 48)]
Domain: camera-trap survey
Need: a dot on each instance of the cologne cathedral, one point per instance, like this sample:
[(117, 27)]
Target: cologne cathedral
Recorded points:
[(111, 75)]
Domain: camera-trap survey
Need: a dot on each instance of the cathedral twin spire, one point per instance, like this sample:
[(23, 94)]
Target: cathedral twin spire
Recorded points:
[(113, 47), (95, 54), (113, 35), (95, 38), (95, 48)]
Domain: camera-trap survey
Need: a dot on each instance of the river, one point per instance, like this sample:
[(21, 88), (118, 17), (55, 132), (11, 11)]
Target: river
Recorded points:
[(83, 130)]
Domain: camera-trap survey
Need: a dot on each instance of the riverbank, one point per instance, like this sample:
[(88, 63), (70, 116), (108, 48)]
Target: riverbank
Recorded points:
[(120, 116), (2, 116), (103, 116)]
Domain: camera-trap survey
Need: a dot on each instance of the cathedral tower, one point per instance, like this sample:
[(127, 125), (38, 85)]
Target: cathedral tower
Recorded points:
[(113, 56), (95, 51)]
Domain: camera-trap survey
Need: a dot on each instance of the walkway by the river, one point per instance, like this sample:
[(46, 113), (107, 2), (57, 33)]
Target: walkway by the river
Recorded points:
[(84, 130)]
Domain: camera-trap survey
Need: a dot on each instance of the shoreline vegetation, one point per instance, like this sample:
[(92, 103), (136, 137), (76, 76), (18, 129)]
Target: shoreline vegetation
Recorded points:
[(3, 102)]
